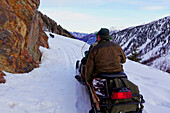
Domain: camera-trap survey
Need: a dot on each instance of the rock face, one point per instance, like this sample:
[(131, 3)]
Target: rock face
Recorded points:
[(2, 80), (21, 35), (152, 40), (51, 26)]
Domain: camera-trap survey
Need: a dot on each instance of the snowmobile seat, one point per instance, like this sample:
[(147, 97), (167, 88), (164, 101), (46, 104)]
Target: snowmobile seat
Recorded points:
[(111, 75)]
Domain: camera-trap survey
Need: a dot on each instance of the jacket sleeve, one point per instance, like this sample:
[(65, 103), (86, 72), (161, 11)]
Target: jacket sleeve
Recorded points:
[(123, 56), (89, 68)]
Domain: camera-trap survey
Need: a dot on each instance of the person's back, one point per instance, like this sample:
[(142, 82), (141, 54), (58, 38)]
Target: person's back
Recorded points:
[(105, 57), (108, 57)]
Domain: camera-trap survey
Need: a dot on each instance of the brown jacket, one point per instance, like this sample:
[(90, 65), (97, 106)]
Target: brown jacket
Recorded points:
[(105, 57)]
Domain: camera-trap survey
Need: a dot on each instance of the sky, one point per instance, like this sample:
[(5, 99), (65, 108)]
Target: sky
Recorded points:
[(87, 16)]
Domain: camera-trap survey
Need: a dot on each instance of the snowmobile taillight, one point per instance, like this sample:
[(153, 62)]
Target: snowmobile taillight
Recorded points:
[(122, 93)]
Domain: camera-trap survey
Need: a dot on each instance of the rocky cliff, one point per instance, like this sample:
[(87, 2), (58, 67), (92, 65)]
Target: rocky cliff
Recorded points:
[(152, 40), (21, 35), (51, 26)]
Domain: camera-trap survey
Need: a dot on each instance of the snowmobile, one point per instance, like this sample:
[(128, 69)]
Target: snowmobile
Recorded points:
[(111, 92)]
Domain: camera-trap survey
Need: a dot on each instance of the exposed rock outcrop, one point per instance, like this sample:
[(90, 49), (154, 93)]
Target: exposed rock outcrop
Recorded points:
[(2, 80), (51, 26), (21, 35)]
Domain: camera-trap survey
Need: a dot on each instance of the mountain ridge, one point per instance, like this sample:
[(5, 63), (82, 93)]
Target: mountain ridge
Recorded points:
[(152, 39), (78, 35), (52, 26)]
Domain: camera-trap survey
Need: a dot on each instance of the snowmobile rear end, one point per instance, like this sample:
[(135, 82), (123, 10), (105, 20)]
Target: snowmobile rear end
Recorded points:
[(112, 93)]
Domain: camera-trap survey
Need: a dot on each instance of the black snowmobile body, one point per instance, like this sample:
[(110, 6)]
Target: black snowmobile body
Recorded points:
[(112, 93)]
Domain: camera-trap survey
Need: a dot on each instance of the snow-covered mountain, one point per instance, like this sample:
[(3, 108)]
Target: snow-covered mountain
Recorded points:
[(90, 38), (114, 29), (152, 40), (78, 35), (52, 88)]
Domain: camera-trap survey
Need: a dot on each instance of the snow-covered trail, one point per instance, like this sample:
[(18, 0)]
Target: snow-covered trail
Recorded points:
[(51, 88)]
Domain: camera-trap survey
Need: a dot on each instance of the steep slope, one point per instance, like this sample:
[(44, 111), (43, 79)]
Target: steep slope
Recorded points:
[(152, 40), (51, 26), (51, 88)]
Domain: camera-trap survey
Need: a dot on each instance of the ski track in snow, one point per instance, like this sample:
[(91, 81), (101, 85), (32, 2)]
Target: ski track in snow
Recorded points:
[(69, 57), (82, 100), (52, 88)]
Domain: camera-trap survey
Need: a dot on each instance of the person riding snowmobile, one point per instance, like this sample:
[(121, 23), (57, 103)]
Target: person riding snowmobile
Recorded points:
[(109, 88), (105, 57)]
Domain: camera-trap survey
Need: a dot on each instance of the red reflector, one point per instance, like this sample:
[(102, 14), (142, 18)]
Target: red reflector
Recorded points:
[(121, 95)]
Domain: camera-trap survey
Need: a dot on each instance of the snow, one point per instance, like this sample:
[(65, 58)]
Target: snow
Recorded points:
[(52, 88), (162, 63), (145, 44), (151, 53), (153, 84)]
